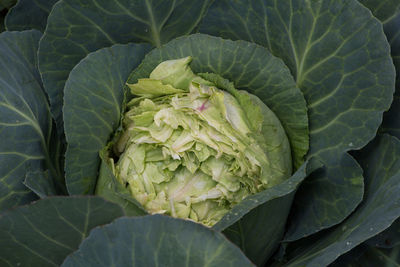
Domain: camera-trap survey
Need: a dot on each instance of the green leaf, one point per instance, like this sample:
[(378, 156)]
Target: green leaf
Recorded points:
[(380, 250), (256, 223), (93, 99), (250, 67), (29, 14), (111, 189), (388, 238), (351, 258), (339, 56), (156, 241), (77, 27), (381, 257), (389, 13), (25, 121), (337, 52), (41, 183), (364, 256), (380, 208), (325, 196), (391, 122), (385, 11), (45, 232)]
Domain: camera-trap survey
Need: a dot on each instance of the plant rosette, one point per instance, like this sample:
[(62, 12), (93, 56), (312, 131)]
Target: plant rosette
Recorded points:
[(198, 133)]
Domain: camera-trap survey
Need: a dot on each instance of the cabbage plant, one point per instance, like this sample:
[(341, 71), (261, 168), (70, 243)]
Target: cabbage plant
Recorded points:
[(199, 133)]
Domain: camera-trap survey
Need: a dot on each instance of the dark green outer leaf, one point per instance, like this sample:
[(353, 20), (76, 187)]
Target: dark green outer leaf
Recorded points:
[(339, 188), (255, 224), (250, 67), (25, 120), (41, 183), (77, 27), (381, 206), (93, 97), (259, 233), (364, 256), (380, 250), (351, 258), (379, 257), (45, 232), (388, 238), (391, 122), (340, 59), (29, 14), (156, 241), (384, 10), (389, 13), (335, 49)]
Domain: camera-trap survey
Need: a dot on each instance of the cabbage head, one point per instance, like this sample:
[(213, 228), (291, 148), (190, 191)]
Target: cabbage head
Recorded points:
[(188, 149)]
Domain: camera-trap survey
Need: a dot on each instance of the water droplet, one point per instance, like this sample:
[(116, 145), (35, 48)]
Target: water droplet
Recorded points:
[(236, 214), (146, 30), (348, 243), (344, 228), (371, 229), (351, 144)]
